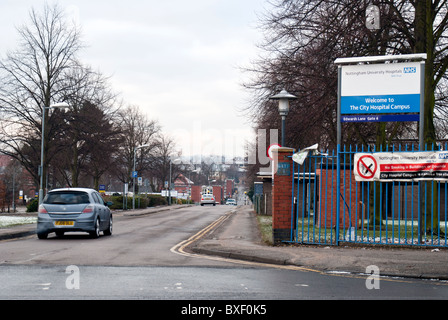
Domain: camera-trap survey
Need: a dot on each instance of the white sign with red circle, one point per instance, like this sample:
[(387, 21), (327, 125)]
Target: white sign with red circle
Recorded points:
[(270, 150), (366, 167)]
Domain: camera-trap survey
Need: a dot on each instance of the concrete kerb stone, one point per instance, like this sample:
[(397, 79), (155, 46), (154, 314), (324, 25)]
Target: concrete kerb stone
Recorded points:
[(17, 232), (392, 262), (151, 210)]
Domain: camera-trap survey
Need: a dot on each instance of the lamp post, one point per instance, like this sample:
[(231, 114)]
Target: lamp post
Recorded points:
[(13, 187), (60, 105), (133, 174), (283, 108)]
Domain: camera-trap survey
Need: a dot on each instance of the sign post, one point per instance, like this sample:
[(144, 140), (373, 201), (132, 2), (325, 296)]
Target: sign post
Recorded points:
[(371, 90)]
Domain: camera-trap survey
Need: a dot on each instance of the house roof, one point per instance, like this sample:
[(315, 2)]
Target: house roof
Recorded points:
[(182, 180)]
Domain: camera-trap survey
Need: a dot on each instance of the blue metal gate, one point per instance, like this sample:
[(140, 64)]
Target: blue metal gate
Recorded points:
[(329, 206)]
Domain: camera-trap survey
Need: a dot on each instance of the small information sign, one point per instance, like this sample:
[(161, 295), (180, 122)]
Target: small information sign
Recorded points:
[(283, 169)]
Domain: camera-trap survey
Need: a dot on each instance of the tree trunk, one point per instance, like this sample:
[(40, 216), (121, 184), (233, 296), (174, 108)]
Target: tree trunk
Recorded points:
[(424, 35)]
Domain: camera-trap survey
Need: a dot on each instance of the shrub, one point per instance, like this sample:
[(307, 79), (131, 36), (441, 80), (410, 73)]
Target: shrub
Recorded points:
[(33, 206), (141, 201), (156, 200)]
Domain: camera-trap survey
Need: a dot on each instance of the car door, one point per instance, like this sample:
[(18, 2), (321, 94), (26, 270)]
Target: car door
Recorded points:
[(105, 211), (99, 206)]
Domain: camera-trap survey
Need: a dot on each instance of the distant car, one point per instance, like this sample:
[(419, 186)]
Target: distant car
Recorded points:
[(231, 202), (208, 199), (74, 209)]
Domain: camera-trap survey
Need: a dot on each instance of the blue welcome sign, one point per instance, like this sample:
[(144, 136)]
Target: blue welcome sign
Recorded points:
[(381, 88)]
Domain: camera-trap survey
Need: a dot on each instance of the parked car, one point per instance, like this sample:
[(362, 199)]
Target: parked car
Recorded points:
[(208, 199), (231, 202), (74, 209)]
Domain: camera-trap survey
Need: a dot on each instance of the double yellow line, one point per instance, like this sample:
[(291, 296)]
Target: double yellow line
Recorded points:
[(180, 249)]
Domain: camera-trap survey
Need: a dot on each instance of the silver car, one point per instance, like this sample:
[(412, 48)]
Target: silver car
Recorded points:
[(208, 199), (74, 209)]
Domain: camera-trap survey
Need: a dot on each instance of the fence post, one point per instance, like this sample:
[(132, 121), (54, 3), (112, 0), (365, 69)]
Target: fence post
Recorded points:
[(338, 194), (282, 194)]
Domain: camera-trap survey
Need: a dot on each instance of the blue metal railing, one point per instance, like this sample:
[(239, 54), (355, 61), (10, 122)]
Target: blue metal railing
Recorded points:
[(329, 206)]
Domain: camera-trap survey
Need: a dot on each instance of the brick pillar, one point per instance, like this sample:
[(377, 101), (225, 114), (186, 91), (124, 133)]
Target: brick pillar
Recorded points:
[(282, 194)]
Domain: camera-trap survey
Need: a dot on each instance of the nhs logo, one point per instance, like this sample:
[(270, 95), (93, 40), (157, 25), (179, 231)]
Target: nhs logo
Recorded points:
[(410, 70), (443, 155)]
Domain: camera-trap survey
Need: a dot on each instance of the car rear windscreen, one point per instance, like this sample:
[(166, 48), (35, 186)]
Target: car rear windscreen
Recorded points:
[(67, 197)]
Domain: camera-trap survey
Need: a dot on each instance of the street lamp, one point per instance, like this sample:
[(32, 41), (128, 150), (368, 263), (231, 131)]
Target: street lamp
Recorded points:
[(283, 108), (59, 105), (373, 17), (133, 174)]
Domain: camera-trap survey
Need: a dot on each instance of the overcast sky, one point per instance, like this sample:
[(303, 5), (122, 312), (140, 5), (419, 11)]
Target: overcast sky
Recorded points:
[(178, 60)]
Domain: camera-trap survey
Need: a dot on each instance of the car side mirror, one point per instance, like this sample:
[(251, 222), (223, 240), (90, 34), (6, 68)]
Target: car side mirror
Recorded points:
[(109, 203)]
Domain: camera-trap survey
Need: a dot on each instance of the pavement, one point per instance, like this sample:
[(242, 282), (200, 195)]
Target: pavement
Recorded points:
[(238, 237)]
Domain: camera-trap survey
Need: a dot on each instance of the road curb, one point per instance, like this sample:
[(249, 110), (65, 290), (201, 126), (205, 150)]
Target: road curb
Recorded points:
[(142, 212), (20, 232), (392, 264), (239, 256), (198, 247)]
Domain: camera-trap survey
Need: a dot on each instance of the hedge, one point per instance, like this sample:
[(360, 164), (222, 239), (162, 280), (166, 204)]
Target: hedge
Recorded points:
[(141, 202)]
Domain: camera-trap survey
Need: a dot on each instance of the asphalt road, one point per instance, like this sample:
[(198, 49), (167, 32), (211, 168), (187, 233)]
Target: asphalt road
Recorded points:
[(138, 262), (198, 283), (136, 241)]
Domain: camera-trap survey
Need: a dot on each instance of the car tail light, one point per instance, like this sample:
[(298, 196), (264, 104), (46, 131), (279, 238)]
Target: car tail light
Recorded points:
[(42, 209), (88, 209)]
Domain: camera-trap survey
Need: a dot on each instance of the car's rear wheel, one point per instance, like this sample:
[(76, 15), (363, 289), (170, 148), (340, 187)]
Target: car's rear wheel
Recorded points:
[(60, 233), (108, 231), (96, 232), (42, 235)]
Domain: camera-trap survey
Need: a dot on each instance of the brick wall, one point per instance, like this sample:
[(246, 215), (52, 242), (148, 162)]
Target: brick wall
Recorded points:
[(327, 199), (196, 193), (217, 192), (230, 184), (282, 195)]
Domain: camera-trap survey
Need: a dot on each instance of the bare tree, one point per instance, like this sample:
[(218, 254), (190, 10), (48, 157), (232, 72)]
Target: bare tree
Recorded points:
[(101, 140), (31, 80), (162, 159), (304, 37), (137, 130), (86, 91)]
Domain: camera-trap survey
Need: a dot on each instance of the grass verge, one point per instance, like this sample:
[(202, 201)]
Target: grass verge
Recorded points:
[(265, 226), (6, 221)]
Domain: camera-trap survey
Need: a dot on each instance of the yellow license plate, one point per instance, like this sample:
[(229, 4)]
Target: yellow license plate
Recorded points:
[(64, 223)]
